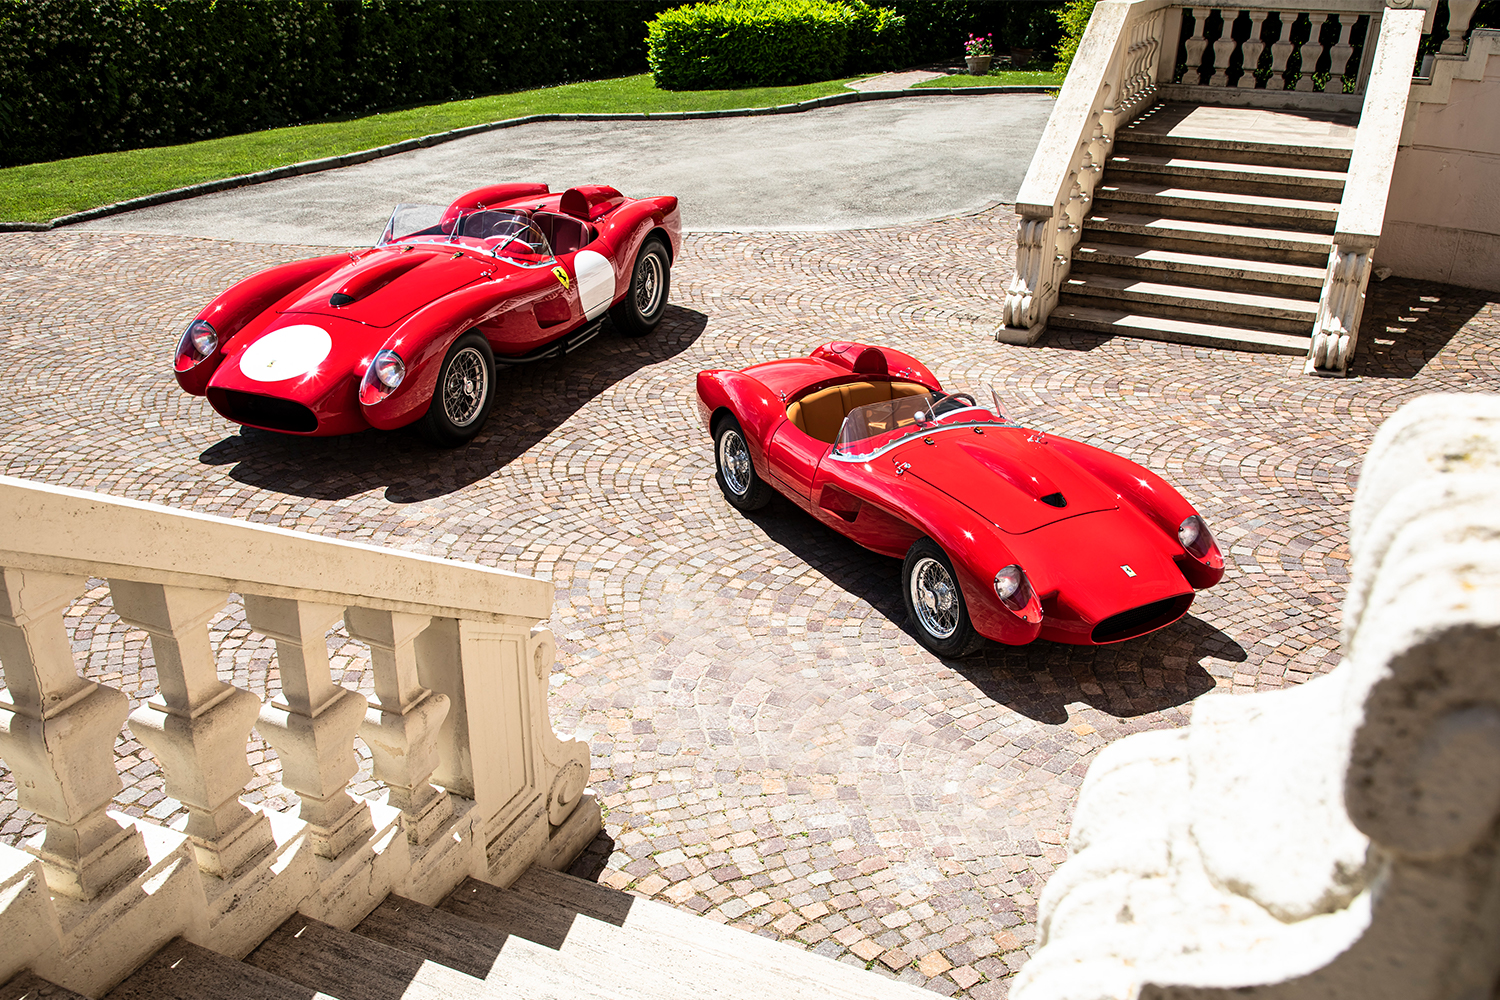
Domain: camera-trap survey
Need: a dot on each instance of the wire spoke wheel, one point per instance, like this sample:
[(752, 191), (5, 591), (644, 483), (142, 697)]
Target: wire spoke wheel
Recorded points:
[(734, 463), (934, 597), (465, 387), (648, 284)]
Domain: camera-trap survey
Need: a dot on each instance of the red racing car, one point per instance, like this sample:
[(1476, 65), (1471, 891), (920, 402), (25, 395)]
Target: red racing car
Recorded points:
[(1007, 533), (413, 329)]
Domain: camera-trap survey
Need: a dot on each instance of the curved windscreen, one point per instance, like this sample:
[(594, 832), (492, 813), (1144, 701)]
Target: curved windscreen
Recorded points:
[(499, 231), (416, 220), (874, 427)]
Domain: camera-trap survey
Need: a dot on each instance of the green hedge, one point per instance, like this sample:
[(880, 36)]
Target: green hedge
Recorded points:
[(937, 29), (92, 76), (769, 43)]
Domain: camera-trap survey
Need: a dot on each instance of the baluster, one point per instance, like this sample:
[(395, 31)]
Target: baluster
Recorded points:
[(1251, 50), (1281, 50), (1312, 51), (312, 726), (1460, 13), (1339, 55), (197, 725), (57, 735), (402, 733), (1224, 49), (1195, 45)]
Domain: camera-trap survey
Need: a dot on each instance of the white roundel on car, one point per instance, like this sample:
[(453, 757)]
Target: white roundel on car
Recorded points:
[(286, 353), (596, 282)]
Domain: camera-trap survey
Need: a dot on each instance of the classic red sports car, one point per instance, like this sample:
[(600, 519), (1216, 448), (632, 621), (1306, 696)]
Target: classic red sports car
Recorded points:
[(412, 329), (1007, 533)]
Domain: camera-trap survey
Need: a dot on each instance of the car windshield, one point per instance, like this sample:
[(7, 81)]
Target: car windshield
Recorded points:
[(876, 427), (502, 232)]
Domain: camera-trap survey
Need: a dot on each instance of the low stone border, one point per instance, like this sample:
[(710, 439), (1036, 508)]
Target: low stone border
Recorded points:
[(422, 142)]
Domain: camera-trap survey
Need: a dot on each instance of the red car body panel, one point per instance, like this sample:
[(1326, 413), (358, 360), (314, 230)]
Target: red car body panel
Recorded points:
[(983, 496), (417, 299)]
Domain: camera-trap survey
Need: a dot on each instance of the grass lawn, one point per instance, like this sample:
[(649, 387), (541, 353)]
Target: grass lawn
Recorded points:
[(39, 192), (999, 78)]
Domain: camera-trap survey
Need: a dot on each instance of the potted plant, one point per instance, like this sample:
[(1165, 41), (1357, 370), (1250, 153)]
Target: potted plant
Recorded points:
[(978, 51)]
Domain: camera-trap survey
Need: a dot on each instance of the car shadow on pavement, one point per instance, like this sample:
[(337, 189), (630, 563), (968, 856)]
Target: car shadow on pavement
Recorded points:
[(533, 401), (1155, 672)]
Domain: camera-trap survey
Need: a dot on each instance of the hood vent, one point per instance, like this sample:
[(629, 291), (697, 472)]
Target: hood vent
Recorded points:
[(1054, 500), (339, 299)]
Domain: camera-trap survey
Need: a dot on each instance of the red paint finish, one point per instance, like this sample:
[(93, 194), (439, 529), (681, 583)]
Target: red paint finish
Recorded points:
[(414, 296), (1096, 534)]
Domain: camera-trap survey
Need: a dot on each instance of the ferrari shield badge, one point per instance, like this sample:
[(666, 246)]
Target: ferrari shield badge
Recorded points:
[(561, 275), (1128, 571)]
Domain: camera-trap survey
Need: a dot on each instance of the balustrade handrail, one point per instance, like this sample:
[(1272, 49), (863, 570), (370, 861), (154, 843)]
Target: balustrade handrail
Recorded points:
[(88, 534)]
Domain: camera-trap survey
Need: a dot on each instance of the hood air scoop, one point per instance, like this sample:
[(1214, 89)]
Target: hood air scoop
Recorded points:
[(1054, 500)]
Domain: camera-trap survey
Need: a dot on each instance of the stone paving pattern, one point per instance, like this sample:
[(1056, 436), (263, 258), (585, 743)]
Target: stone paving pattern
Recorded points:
[(771, 747)]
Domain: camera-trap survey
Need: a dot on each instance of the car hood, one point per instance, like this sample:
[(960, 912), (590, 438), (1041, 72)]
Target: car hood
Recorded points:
[(1009, 476), (298, 356), (384, 286)]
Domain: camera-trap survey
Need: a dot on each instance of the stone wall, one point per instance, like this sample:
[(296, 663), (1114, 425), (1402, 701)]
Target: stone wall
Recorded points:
[(1338, 839)]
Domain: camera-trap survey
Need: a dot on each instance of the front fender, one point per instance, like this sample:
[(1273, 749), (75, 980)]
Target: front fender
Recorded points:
[(748, 399), (235, 307)]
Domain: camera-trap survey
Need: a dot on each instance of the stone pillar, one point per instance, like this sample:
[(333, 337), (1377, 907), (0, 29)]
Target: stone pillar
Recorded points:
[(1312, 51), (313, 724), (57, 735), (197, 725), (1339, 55), (1251, 50), (402, 733)]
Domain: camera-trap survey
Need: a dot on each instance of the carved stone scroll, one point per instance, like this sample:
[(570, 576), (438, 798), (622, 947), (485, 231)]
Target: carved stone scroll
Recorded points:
[(1336, 330)]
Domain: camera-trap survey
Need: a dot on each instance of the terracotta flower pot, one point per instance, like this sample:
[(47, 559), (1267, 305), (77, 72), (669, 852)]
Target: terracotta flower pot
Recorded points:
[(978, 65)]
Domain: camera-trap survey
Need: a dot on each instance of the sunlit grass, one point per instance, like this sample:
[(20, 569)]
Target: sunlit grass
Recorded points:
[(998, 78)]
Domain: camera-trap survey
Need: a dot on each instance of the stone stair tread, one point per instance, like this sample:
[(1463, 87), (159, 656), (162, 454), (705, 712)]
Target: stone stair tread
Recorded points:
[(1115, 321), (1228, 202), (1249, 171), (184, 971), (1149, 225), (724, 961), (1231, 267), (30, 986), (352, 967), (1188, 296)]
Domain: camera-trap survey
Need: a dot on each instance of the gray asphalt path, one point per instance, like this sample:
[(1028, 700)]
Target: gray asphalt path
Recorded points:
[(847, 167)]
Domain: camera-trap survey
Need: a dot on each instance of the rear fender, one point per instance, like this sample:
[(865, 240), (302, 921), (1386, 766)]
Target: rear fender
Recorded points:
[(423, 339), (864, 359), (622, 232), (750, 402), (494, 194), (244, 301)]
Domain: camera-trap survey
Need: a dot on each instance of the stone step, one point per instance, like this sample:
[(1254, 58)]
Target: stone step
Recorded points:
[(1133, 140), (1199, 236), (183, 971), (1208, 270), (1198, 305), (30, 986), (1236, 209), (1124, 323), (1280, 180), (352, 967)]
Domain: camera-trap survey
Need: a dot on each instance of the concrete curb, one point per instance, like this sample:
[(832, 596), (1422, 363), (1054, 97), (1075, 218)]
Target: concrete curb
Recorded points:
[(422, 142)]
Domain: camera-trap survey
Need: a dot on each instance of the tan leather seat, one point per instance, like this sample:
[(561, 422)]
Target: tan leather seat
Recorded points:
[(820, 414)]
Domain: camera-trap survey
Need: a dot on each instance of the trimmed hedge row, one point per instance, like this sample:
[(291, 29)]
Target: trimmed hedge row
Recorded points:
[(768, 43), (92, 76)]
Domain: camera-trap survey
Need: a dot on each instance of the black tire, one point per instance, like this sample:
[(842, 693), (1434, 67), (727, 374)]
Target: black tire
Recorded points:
[(743, 489), (460, 403), (934, 602), (639, 312)]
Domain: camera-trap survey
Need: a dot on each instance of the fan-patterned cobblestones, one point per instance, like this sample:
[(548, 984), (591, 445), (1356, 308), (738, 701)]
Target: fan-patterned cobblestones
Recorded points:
[(772, 748)]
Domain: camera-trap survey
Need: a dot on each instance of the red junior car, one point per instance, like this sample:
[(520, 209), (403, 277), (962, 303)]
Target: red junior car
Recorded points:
[(412, 329), (1007, 533)]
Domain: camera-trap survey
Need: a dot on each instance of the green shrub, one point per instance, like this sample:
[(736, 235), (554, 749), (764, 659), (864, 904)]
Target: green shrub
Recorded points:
[(93, 76), (1074, 18), (769, 43)]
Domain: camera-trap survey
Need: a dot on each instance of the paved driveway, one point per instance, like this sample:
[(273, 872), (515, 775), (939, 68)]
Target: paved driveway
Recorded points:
[(847, 167)]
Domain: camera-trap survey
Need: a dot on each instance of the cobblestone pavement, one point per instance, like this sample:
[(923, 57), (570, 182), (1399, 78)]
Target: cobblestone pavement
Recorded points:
[(771, 746)]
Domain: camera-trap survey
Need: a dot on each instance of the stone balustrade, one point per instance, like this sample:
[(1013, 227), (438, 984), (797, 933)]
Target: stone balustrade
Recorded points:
[(1338, 839), (1235, 47), (474, 780)]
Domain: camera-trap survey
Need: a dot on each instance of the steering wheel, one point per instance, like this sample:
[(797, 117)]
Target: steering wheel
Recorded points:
[(963, 400)]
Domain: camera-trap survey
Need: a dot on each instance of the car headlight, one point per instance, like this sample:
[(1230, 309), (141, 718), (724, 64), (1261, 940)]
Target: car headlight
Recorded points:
[(199, 342), (1194, 536), (1015, 592), (384, 375), (1007, 581)]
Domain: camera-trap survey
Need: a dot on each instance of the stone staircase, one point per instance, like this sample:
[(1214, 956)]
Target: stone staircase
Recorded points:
[(549, 936), (1211, 226)]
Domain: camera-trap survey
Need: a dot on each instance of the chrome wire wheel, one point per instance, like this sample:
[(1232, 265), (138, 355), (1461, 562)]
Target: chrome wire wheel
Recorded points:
[(648, 284), (934, 598), (465, 387), (734, 463)]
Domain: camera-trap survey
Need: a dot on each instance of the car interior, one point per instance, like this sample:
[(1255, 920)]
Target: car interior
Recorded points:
[(564, 233), (820, 414)]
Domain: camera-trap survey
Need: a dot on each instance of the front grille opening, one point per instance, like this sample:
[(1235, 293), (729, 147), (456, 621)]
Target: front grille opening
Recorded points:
[(1139, 621), (263, 411)]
